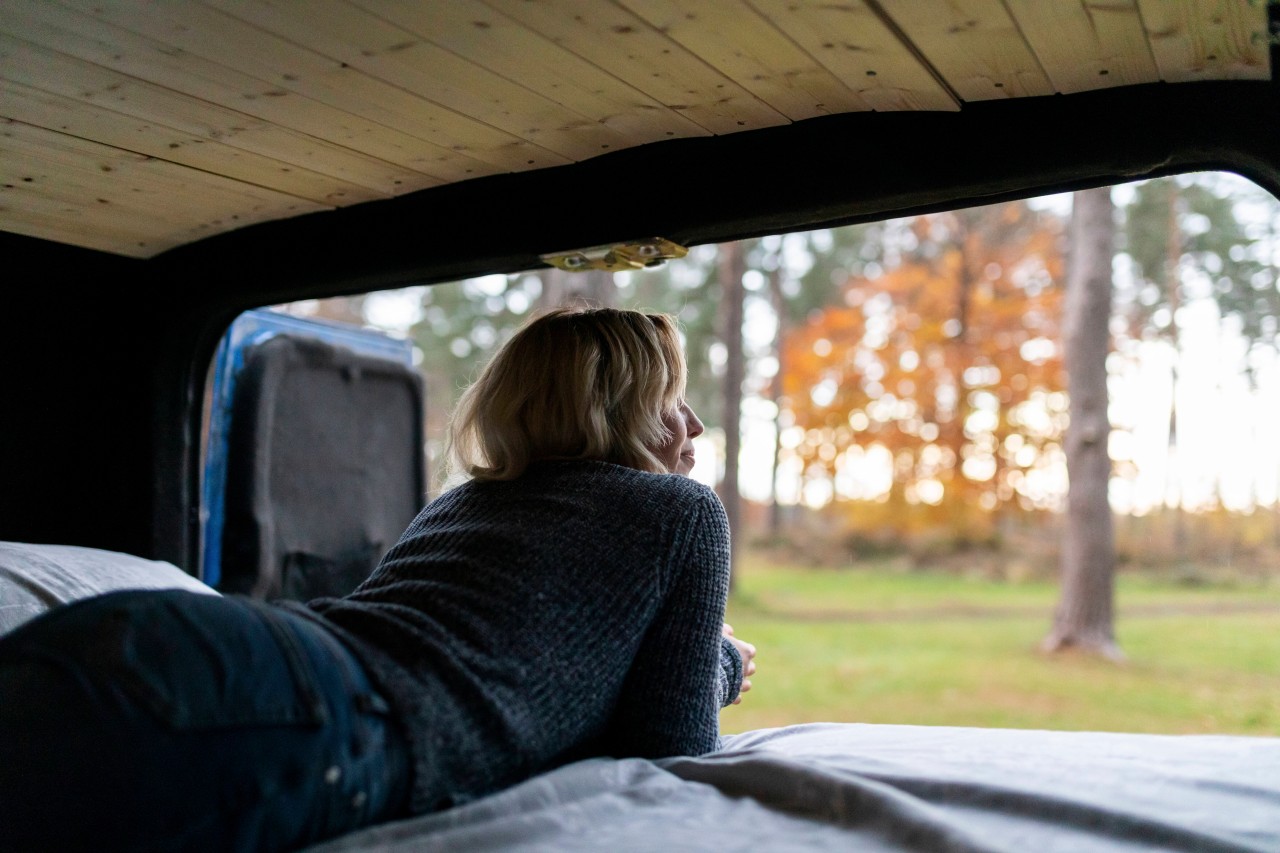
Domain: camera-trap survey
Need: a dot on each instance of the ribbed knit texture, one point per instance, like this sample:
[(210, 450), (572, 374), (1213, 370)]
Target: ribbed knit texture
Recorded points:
[(573, 611)]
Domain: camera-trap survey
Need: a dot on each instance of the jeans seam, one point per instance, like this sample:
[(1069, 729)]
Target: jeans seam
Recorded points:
[(299, 666)]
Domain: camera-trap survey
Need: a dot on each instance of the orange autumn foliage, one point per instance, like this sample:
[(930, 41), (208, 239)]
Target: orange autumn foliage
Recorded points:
[(949, 360)]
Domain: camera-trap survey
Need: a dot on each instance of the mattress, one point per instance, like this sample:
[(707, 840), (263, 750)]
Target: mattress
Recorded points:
[(34, 578), (882, 788)]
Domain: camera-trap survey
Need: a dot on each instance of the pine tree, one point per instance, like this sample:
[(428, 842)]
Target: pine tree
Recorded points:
[(1084, 618)]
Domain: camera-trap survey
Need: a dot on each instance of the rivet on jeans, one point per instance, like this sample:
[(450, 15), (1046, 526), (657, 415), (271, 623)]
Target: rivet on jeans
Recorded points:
[(332, 775), (358, 800)]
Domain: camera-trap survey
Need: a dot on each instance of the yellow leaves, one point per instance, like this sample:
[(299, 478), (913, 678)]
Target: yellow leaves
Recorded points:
[(930, 358)]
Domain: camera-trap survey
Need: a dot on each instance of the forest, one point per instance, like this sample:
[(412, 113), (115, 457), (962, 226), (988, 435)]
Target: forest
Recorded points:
[(1047, 392)]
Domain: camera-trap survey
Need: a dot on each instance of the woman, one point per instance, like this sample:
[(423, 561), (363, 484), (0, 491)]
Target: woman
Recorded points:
[(564, 602)]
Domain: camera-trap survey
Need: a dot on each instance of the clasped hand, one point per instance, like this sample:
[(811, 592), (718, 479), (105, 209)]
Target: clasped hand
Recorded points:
[(748, 653)]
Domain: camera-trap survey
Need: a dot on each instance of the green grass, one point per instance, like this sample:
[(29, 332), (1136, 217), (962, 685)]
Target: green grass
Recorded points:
[(873, 645)]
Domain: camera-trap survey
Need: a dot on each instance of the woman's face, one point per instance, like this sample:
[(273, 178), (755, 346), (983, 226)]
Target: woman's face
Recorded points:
[(676, 454)]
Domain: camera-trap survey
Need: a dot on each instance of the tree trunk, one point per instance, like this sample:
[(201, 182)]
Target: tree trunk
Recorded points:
[(732, 269), (587, 289), (1173, 256), (1084, 617), (1275, 523), (954, 437), (346, 309), (599, 291), (779, 300), (1173, 477)]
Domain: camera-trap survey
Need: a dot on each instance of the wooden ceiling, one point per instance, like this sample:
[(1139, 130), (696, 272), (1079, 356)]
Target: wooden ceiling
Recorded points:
[(134, 127)]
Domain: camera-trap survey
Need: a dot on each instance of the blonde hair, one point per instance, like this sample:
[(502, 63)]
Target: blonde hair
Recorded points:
[(572, 384)]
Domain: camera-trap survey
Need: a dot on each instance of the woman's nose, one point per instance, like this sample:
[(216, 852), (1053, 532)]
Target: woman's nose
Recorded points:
[(694, 426)]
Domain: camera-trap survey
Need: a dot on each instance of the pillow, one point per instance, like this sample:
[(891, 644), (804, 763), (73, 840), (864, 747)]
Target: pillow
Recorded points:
[(34, 578)]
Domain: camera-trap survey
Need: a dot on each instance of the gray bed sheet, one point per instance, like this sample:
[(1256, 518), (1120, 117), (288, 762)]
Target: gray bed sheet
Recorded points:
[(882, 788), (34, 578)]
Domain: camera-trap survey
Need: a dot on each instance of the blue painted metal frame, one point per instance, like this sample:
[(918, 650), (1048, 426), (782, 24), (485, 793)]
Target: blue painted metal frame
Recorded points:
[(249, 330)]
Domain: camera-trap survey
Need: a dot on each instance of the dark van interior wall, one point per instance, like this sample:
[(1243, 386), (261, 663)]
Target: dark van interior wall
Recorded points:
[(78, 357)]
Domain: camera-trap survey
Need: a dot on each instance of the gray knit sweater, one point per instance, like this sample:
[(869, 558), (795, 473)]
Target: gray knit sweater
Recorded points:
[(573, 611)]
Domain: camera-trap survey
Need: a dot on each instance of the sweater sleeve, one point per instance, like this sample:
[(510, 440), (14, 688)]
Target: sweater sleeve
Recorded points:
[(682, 674), (730, 672)]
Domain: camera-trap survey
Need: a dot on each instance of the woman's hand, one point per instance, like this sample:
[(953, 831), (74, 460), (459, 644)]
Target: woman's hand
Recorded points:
[(748, 653)]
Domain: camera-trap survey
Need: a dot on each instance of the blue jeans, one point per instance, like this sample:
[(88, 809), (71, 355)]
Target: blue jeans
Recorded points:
[(169, 720)]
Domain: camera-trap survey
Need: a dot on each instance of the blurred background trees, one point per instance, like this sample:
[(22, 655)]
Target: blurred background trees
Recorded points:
[(898, 388), (942, 368)]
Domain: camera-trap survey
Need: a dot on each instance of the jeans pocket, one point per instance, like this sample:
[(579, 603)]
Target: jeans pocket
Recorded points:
[(200, 662)]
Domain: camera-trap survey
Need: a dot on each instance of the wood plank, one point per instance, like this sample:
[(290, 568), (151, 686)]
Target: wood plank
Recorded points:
[(72, 191), (737, 41), (38, 154), (50, 208), (1208, 39), (45, 70), (625, 46), (974, 44), (1086, 45), (403, 161), (49, 71), (349, 34), (131, 199), (853, 43), (57, 229), (486, 37), (91, 121), (462, 148)]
